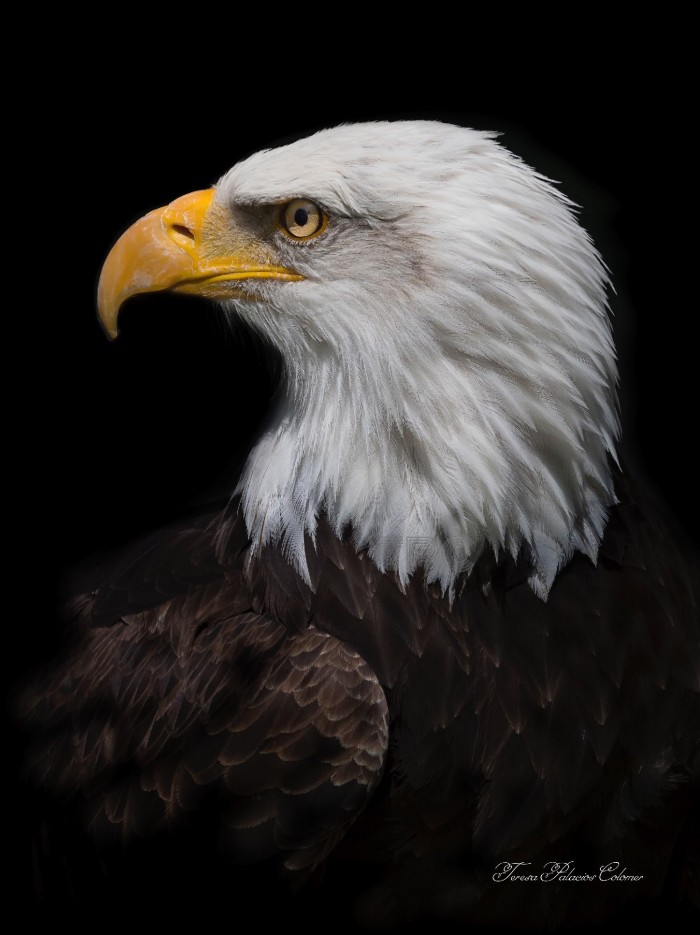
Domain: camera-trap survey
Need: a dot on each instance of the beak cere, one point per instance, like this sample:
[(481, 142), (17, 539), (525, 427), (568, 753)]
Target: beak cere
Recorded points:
[(189, 246)]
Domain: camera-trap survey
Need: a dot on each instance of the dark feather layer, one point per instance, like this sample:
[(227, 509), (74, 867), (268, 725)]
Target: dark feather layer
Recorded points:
[(506, 728)]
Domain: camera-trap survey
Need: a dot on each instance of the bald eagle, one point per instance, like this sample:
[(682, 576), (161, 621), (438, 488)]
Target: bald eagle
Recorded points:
[(435, 633)]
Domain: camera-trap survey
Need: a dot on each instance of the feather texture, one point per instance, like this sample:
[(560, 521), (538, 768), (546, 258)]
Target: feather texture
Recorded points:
[(518, 727), (449, 373)]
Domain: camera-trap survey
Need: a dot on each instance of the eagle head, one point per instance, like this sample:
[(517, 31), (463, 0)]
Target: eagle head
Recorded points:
[(449, 377)]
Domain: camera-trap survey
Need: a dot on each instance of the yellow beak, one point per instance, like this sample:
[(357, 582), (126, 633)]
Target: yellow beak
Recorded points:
[(189, 246)]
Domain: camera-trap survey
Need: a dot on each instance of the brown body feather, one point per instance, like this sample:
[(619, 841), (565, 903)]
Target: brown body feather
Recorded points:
[(353, 720)]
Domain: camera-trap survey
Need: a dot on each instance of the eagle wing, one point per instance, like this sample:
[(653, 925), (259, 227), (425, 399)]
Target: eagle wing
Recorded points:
[(195, 698)]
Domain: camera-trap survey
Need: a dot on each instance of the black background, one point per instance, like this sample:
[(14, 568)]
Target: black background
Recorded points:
[(116, 439)]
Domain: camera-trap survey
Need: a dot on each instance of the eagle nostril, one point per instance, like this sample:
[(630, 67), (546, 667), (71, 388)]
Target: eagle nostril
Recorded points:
[(181, 234)]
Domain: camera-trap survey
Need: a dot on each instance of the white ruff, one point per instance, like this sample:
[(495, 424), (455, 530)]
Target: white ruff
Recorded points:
[(449, 369)]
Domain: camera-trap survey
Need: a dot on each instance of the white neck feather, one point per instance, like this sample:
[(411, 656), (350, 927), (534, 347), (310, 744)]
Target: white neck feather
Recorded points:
[(458, 395)]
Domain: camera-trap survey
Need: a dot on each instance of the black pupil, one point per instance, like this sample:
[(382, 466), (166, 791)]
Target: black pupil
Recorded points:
[(301, 217)]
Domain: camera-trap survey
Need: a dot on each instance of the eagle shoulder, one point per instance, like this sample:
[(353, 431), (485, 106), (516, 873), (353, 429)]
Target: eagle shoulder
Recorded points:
[(177, 691)]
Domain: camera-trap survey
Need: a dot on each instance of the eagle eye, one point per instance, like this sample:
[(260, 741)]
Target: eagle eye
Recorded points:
[(302, 219)]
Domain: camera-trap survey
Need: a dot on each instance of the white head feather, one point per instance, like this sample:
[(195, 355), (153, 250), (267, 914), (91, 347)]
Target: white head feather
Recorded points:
[(450, 378)]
